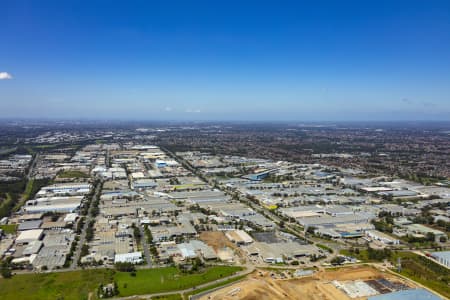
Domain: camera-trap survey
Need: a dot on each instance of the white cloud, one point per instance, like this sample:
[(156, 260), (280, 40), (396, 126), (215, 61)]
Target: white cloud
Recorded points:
[(193, 110), (168, 108), (5, 75)]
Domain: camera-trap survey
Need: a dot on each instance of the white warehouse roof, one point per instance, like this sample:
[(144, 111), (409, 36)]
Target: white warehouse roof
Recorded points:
[(29, 236)]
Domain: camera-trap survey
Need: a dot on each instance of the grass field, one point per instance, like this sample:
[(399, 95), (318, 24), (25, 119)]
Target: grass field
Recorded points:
[(424, 271), (6, 206), (64, 285), (167, 279), (416, 267), (362, 255), (28, 189), (81, 284), (10, 228), (324, 247)]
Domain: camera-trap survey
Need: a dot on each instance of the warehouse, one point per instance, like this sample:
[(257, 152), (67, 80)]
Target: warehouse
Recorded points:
[(28, 225), (443, 257), (302, 211), (53, 204), (142, 184), (134, 258), (28, 236), (51, 256), (187, 251), (382, 237), (61, 208), (62, 189), (413, 294), (239, 237), (206, 251), (424, 230), (357, 218), (278, 252)]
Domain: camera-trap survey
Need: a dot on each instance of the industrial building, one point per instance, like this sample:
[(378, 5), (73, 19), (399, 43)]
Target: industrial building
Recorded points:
[(134, 258), (357, 218), (382, 237), (443, 257), (28, 236), (239, 237), (419, 229)]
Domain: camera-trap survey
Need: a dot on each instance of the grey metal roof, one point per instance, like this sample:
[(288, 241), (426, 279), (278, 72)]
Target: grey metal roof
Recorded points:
[(28, 225)]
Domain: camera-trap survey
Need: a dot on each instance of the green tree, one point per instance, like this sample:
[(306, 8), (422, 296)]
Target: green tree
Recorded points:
[(5, 270)]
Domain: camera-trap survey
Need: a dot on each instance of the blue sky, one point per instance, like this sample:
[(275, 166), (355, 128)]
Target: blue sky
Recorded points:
[(225, 60)]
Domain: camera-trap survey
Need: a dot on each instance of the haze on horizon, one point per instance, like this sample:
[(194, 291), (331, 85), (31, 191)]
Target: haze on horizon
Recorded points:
[(203, 60)]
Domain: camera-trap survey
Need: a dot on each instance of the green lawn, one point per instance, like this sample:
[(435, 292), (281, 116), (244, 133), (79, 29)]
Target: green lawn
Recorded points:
[(28, 189), (362, 255), (79, 284), (167, 279), (64, 285), (10, 228), (6, 205), (324, 247)]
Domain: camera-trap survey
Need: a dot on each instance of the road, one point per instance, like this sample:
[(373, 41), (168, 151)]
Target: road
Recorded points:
[(33, 164), (145, 246), (28, 177), (89, 218)]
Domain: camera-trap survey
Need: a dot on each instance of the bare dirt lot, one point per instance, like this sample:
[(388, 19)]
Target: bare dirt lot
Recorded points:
[(261, 286), (216, 239)]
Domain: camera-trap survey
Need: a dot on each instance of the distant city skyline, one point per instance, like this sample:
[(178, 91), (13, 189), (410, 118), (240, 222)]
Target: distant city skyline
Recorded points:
[(254, 61)]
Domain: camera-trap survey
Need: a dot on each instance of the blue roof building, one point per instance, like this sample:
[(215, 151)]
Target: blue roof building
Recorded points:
[(413, 294)]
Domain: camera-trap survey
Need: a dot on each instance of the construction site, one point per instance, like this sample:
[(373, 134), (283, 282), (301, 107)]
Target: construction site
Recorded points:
[(342, 284)]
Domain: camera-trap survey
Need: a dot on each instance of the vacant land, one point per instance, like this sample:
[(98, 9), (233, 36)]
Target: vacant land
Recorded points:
[(64, 285), (217, 240), (262, 286), (167, 279)]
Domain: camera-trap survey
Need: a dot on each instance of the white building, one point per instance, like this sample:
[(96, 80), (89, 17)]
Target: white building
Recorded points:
[(442, 257), (239, 237), (28, 236), (133, 257), (382, 237)]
